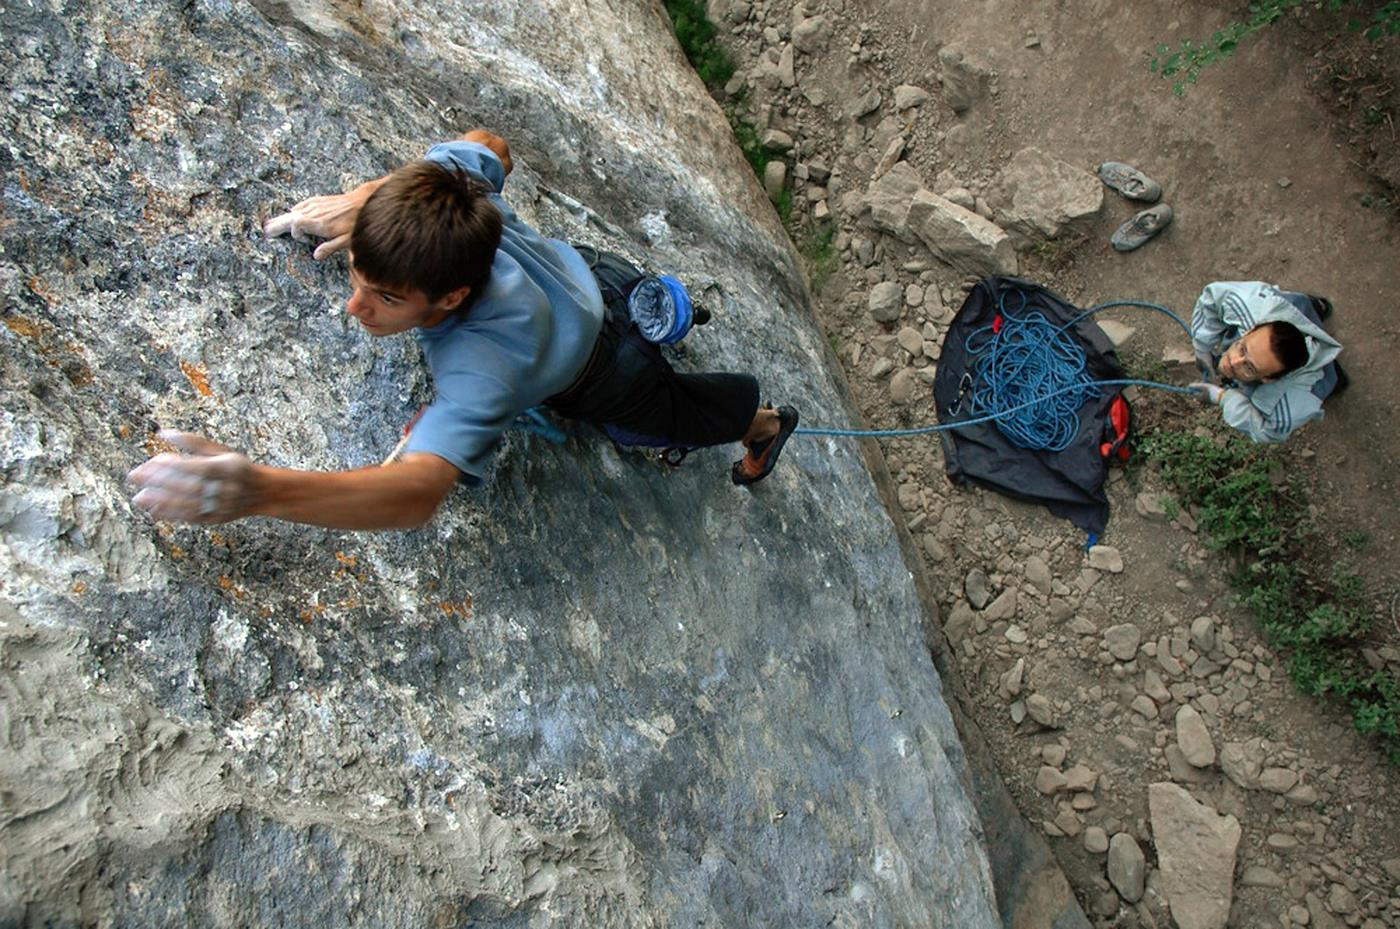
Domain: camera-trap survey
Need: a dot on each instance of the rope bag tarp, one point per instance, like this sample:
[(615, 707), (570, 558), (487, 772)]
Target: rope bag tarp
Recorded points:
[(1068, 482)]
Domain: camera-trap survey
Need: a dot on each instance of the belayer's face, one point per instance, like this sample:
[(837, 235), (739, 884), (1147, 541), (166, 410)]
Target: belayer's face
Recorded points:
[(1251, 359), (389, 310)]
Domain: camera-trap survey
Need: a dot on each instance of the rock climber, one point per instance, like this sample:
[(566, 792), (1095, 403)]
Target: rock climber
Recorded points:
[(507, 320)]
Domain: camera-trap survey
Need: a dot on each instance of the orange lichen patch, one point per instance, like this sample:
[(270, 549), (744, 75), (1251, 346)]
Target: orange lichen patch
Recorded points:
[(310, 612), (78, 588), (42, 289), (197, 376), (177, 552), (79, 375), (23, 181), (218, 538), (349, 603), (347, 560), (20, 325), (463, 609), (123, 431), (227, 585)]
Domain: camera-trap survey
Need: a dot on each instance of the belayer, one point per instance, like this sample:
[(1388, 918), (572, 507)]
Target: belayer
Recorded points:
[(507, 320), (1267, 348)]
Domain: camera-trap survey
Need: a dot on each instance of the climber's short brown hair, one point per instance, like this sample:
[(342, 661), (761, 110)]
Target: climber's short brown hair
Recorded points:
[(429, 228)]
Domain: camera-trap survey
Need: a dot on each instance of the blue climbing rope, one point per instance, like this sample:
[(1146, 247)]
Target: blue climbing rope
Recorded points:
[(1031, 378)]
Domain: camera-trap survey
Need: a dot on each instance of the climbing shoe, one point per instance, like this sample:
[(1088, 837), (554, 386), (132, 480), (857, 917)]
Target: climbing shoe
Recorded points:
[(1130, 182), (1136, 231), (761, 456)]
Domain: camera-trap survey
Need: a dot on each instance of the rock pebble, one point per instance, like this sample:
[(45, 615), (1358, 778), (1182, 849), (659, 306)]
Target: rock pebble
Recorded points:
[(1095, 840), (1122, 641), (1127, 867), (1105, 558), (886, 302), (1041, 710), (1193, 738), (975, 587)]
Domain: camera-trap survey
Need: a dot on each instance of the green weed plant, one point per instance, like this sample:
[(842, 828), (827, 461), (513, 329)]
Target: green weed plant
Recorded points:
[(1315, 614), (1183, 66)]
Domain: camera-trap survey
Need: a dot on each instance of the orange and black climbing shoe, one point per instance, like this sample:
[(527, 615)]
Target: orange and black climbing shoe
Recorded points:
[(761, 456)]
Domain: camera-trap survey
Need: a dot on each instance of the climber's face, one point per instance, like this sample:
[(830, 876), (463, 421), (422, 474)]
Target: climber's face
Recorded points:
[(389, 310)]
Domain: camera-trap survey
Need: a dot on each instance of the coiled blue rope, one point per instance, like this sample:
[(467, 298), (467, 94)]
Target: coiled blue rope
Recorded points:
[(1031, 380)]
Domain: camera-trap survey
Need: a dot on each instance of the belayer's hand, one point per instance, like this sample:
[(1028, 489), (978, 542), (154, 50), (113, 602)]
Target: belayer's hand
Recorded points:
[(1207, 366), (208, 484), (1208, 394), (331, 217)]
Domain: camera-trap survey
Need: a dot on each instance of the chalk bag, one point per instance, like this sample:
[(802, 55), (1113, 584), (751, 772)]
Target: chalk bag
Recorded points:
[(661, 308)]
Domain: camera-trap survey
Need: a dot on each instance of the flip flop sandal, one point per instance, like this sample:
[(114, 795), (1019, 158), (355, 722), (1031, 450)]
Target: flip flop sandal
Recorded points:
[(761, 457), (1136, 231), (1130, 182)]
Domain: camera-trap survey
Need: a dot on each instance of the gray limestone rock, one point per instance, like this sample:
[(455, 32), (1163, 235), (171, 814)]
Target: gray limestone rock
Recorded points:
[(903, 386), (1105, 558), (571, 699), (1195, 854), (812, 34), (963, 240), (908, 96), (1038, 196), (774, 178), (1038, 574), (1049, 780), (1122, 641), (1277, 780), (1203, 634), (1193, 738), (1014, 678), (910, 339), (1127, 867), (1152, 505), (964, 82), (1003, 607), (887, 200), (863, 105), (1095, 840), (1243, 763), (975, 587), (1042, 710), (1259, 876), (886, 302)]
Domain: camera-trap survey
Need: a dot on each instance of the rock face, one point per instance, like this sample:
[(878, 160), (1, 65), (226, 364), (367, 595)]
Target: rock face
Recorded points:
[(591, 692), (1196, 855)]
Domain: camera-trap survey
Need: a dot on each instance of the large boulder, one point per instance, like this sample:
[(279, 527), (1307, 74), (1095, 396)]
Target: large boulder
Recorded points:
[(961, 238), (897, 202), (1196, 855), (592, 691), (1038, 196)]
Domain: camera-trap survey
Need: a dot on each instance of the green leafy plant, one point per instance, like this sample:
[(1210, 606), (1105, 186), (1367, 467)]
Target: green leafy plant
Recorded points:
[(1286, 575), (816, 246), (698, 38), (1183, 65)]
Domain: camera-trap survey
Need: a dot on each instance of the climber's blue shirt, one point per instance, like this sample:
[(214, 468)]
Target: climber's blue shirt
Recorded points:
[(525, 338)]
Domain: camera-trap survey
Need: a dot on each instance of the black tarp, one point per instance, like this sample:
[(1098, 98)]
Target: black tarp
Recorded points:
[(1070, 482)]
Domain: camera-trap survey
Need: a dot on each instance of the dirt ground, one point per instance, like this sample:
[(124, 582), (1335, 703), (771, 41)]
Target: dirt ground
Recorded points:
[(1270, 167)]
